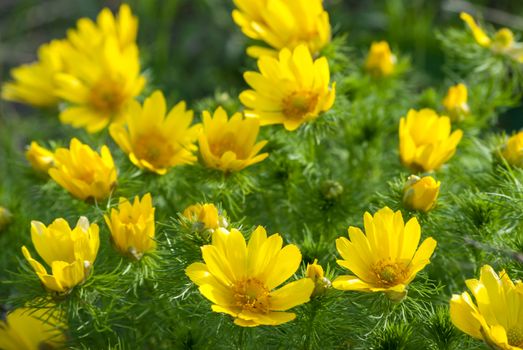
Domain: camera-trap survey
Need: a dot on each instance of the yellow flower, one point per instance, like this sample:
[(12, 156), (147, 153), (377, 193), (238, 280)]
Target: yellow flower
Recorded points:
[(420, 193), (497, 315), (31, 329), (69, 253), (380, 60), (83, 172), (425, 140), (5, 217), (155, 141), (513, 150), (386, 258), (34, 83), (132, 226), (230, 144), (289, 90), (206, 215), (316, 274), (455, 102), (239, 278), (40, 158), (503, 41), (283, 24)]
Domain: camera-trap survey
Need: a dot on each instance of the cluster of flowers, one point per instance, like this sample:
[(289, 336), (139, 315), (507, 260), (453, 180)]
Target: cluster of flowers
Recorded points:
[(95, 74)]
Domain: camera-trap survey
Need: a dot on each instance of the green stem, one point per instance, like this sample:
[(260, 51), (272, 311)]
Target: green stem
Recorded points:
[(310, 325)]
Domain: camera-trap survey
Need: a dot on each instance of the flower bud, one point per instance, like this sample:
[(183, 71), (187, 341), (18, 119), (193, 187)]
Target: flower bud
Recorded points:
[(380, 60), (512, 151), (205, 217), (420, 193), (321, 283), (455, 102), (40, 158), (331, 189)]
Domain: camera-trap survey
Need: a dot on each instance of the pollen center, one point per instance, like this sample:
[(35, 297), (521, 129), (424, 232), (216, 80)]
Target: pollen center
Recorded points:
[(252, 295), (515, 336), (227, 142), (154, 148), (299, 104), (107, 96), (389, 273)]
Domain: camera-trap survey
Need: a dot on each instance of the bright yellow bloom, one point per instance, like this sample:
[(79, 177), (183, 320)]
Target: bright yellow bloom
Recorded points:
[(83, 172), (316, 274), (154, 141), (132, 226), (496, 317), (513, 150), (425, 140), (283, 24), (206, 215), (289, 90), (239, 278), (5, 217), (503, 41), (31, 329), (40, 158), (380, 60), (455, 102), (34, 83), (420, 193), (230, 144), (69, 253), (386, 258)]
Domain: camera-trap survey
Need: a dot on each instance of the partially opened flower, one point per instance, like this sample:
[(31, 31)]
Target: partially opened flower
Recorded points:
[(34, 83), (380, 61), (291, 90), (205, 215), (240, 279), (502, 42), (283, 24), (315, 273), (495, 315), (426, 141), (386, 258), (132, 226), (31, 329), (230, 144), (420, 193), (455, 102), (69, 253), (512, 151), (83, 172), (154, 139), (40, 158)]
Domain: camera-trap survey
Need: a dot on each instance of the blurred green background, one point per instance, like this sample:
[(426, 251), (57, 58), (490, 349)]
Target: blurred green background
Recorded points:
[(191, 48)]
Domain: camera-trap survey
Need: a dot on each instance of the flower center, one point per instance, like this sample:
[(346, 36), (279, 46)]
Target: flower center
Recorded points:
[(515, 336), (252, 295), (153, 148), (299, 104), (227, 142), (107, 96), (389, 273)]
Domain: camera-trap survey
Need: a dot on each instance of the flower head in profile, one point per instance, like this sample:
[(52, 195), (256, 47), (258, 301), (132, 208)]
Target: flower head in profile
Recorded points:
[(70, 253), (495, 315), (154, 139), (283, 24), (205, 215), (230, 144), (315, 273), (240, 279), (420, 193), (132, 226), (380, 61), (512, 151), (31, 329), (34, 83), (290, 90), (426, 141), (385, 258), (83, 172), (502, 42), (40, 158), (455, 102), (105, 76)]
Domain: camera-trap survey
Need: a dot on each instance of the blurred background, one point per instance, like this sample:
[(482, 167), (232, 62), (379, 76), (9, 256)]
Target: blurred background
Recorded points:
[(191, 48)]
